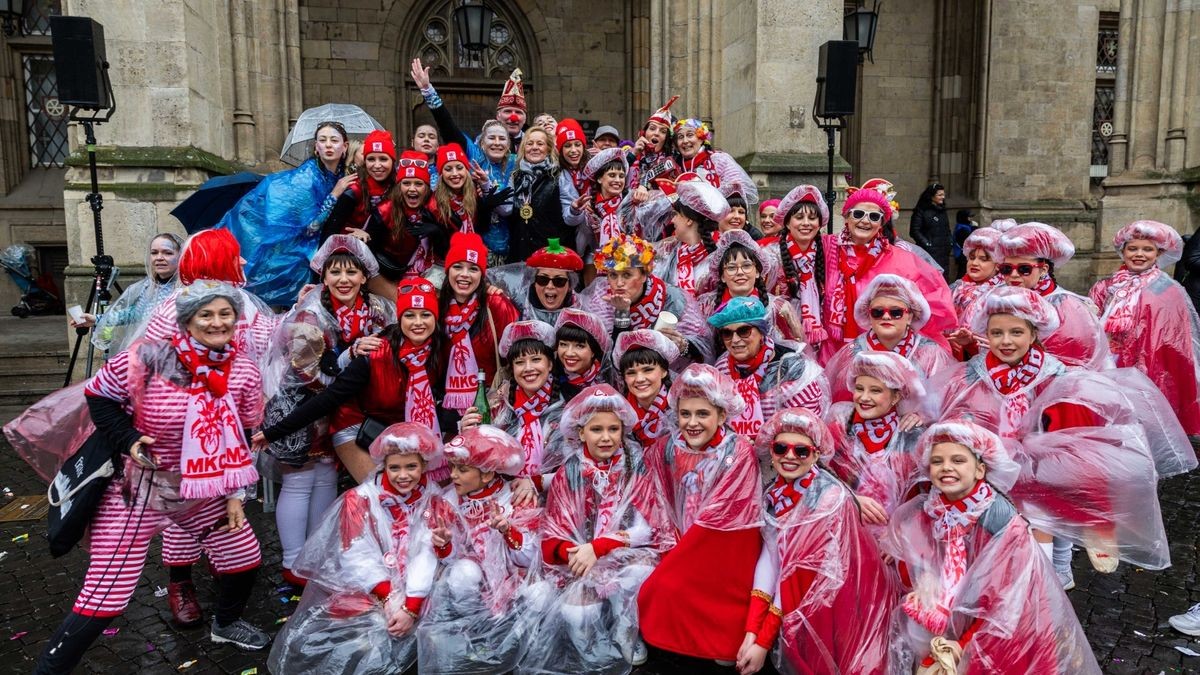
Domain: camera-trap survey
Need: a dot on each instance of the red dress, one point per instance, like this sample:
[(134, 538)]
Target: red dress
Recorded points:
[(696, 601)]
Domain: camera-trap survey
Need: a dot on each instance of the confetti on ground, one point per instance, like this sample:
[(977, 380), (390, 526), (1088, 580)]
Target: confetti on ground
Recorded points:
[(295, 598), (284, 600), (18, 636), (3, 555), (21, 537), (160, 592), (1185, 651), (1139, 633), (186, 664), (282, 619), (250, 671), (149, 646), (111, 631), (284, 589)]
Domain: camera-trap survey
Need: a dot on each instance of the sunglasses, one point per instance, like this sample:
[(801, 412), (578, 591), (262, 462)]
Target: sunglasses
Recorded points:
[(873, 216), (423, 287), (409, 161), (890, 312), (799, 450), (1024, 269), (545, 280), (742, 331)]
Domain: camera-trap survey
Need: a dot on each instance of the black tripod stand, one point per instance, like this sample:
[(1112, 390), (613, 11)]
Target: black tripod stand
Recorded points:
[(102, 264)]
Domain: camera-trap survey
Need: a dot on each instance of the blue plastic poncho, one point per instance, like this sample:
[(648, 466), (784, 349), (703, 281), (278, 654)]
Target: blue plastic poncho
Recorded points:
[(278, 225)]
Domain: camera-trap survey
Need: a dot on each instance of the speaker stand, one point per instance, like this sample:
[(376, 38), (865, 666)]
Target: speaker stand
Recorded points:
[(831, 125)]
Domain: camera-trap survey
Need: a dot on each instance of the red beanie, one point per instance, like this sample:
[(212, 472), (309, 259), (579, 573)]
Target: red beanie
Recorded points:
[(413, 164), (379, 141), (467, 247), (416, 294), (566, 131), (450, 152)]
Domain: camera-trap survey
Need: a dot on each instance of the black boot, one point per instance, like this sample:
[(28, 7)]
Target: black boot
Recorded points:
[(67, 645)]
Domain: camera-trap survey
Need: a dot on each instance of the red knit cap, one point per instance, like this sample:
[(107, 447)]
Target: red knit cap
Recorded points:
[(467, 247), (450, 152), (416, 294), (413, 164), (379, 141), (568, 130), (555, 257)]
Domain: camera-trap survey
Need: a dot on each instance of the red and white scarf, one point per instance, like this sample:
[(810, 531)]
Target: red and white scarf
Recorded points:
[(215, 458), (529, 410), (1012, 383), (588, 377), (809, 295), (904, 347), (465, 218), (784, 495), (354, 321), (604, 476), (854, 263), (1124, 299), (462, 372), (644, 313), (703, 166), (749, 377), (606, 221), (689, 258), (418, 398), (651, 422), (951, 523), (1045, 286), (422, 258), (874, 435), (400, 508), (579, 178), (967, 291)]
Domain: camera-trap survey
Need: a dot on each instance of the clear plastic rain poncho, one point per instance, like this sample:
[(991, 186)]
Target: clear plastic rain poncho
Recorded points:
[(483, 607), (1093, 485), (305, 355), (252, 334), (340, 625), (963, 573), (516, 280), (926, 355), (691, 322), (278, 225), (113, 329), (591, 624), (840, 623)]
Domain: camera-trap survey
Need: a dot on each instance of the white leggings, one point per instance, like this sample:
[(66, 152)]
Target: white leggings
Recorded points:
[(304, 495)]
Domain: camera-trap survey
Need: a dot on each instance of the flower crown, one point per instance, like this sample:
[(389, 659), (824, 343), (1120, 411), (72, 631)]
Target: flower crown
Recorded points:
[(702, 131), (623, 252)]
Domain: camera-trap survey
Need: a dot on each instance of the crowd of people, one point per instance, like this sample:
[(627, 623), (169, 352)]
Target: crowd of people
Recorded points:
[(593, 406)]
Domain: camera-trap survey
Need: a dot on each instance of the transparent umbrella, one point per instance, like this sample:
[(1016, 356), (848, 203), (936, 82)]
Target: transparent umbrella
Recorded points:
[(298, 146)]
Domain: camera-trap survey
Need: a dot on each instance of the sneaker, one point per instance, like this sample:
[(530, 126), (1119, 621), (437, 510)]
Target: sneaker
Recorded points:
[(1187, 623), (1066, 578), (185, 608), (640, 653), (241, 634)]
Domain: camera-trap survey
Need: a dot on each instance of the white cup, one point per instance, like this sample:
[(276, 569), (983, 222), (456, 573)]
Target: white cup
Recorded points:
[(76, 313), (666, 320)]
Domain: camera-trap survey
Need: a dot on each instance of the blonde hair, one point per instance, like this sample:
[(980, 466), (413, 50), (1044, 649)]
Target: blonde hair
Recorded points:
[(551, 152), (442, 196)]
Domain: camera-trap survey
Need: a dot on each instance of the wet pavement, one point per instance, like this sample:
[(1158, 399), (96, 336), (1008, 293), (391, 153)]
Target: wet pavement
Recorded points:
[(1124, 614)]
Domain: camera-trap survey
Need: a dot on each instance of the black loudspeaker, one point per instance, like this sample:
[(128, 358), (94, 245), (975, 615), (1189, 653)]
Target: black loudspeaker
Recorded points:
[(80, 66), (837, 78)]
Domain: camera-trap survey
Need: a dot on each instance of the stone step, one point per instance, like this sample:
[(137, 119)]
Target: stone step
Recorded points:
[(27, 378)]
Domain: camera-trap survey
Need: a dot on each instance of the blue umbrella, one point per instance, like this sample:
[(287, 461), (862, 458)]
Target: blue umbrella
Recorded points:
[(212, 200)]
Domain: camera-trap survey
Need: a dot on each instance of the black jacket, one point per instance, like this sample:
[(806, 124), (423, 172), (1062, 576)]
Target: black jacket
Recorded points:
[(930, 229), (546, 222), (1190, 264)]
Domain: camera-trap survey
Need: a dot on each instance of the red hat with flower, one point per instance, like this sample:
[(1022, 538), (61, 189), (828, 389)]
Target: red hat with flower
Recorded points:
[(450, 152), (379, 141), (416, 294), (413, 164)]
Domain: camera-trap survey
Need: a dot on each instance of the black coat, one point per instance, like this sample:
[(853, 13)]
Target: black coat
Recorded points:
[(547, 222), (1190, 266), (930, 229)]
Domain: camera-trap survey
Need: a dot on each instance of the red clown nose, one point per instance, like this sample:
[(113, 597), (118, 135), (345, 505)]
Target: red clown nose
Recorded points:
[(514, 118)]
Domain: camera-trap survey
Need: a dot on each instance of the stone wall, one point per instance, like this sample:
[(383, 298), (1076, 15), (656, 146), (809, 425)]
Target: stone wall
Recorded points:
[(359, 52)]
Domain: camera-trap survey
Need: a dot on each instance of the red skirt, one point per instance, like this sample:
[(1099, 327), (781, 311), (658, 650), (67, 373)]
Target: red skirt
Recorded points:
[(696, 601)]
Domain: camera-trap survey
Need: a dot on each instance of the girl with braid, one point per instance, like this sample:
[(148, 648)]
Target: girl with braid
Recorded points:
[(803, 214)]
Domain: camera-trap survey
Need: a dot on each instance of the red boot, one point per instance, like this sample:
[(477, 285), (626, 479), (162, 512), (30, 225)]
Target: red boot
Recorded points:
[(293, 579), (185, 608)]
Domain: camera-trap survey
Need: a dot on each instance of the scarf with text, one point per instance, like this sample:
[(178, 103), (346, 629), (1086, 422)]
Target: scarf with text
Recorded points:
[(651, 422), (605, 219), (418, 398), (588, 377), (354, 321), (462, 372), (784, 495), (703, 166), (1011, 382), (529, 410), (644, 313), (215, 458), (877, 433), (749, 377), (689, 257)]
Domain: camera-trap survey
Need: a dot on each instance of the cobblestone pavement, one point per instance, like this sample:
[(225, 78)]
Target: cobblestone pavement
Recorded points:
[(1124, 614)]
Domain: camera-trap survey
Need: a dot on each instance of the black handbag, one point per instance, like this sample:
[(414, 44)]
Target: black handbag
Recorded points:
[(76, 490), (294, 448), (368, 431)]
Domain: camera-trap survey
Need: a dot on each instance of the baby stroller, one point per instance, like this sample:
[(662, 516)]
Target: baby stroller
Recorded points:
[(39, 296)]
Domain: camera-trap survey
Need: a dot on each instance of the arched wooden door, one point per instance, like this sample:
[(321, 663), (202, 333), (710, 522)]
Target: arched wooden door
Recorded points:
[(469, 83)]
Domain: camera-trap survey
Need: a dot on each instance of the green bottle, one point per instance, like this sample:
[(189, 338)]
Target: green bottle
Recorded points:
[(481, 399)]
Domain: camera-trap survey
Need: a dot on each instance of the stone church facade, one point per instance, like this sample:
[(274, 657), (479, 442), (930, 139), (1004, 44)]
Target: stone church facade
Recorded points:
[(1083, 114)]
